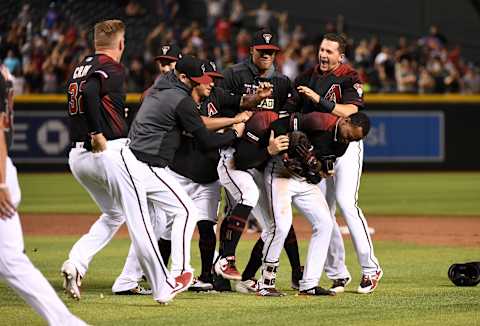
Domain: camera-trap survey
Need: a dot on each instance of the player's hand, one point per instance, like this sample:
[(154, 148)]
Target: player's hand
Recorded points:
[(99, 143), (309, 93), (264, 90), (239, 129), (6, 207), (277, 144), (243, 116)]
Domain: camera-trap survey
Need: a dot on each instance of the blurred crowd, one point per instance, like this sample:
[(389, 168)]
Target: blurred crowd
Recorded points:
[(40, 57)]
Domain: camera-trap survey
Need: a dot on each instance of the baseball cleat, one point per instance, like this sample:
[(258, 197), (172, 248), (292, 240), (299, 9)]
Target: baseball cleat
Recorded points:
[(225, 266), (184, 281), (139, 290), (369, 282), (247, 286), (317, 290), (200, 286), (296, 277), (71, 280), (269, 292), (339, 285)]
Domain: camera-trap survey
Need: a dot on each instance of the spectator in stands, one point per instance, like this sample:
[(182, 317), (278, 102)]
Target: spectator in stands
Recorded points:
[(426, 82), (470, 82), (11, 62), (405, 76), (39, 56)]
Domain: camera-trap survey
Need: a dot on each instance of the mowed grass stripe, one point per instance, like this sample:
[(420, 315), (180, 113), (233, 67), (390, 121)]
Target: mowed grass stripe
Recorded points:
[(438, 193), (415, 290)]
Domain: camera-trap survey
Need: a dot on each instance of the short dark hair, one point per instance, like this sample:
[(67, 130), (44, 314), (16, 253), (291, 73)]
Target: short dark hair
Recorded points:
[(361, 120), (342, 43)]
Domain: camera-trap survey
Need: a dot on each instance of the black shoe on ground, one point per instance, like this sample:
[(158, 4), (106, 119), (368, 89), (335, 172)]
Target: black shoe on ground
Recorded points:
[(317, 290)]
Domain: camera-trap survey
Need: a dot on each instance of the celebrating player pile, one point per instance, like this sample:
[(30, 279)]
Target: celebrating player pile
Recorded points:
[(267, 141)]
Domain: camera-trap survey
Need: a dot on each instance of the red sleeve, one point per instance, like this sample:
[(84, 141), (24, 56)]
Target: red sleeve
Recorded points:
[(318, 121)]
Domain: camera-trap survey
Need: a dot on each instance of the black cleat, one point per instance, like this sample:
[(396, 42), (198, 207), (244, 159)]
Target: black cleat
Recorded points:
[(317, 290)]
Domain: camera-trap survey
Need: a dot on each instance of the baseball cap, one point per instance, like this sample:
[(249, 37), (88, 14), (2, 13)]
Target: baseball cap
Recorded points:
[(194, 69), (169, 52), (211, 69), (265, 40)]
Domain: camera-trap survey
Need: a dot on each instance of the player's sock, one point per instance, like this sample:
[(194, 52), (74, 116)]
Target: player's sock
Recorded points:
[(232, 229), (291, 248), (207, 244), (165, 247), (255, 261)]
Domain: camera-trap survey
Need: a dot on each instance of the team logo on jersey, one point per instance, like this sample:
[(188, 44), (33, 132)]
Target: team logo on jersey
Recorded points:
[(211, 109), (165, 49), (359, 88), (267, 37), (334, 93)]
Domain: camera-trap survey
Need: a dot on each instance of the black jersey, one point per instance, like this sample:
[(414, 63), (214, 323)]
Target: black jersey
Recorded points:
[(340, 86), (244, 78), (6, 107), (190, 159), (110, 111)]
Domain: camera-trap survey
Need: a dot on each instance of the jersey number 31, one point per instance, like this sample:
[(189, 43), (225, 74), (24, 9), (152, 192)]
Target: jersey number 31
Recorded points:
[(75, 104)]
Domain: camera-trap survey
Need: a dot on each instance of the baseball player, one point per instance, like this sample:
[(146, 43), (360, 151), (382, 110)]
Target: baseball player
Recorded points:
[(196, 171), (127, 283), (334, 87), (15, 267), (167, 60), (98, 133), (155, 137), (246, 187), (283, 189)]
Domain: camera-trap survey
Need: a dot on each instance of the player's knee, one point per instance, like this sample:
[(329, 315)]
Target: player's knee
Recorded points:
[(346, 203), (322, 224)]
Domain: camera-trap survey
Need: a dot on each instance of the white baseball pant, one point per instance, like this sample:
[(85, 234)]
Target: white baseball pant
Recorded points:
[(107, 178), (17, 270), (160, 187), (282, 191), (342, 189), (206, 198), (245, 187)]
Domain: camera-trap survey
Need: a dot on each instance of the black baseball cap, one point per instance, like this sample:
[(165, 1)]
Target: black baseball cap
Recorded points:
[(194, 69), (211, 69), (265, 40), (169, 52)]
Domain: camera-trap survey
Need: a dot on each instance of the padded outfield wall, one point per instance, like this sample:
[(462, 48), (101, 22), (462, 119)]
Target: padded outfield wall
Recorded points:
[(409, 132)]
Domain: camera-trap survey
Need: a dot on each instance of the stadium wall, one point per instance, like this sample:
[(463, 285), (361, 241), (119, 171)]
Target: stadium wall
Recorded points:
[(409, 132)]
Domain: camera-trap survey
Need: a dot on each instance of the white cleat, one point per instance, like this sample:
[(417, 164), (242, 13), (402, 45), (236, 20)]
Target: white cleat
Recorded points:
[(71, 280), (246, 287)]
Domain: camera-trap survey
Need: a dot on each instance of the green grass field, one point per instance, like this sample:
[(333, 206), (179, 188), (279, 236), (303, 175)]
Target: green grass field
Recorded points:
[(415, 289), (380, 194)]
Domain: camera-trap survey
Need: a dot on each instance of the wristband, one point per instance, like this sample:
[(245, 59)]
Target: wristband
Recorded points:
[(326, 104)]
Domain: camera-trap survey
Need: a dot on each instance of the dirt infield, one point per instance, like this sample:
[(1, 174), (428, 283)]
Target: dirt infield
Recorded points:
[(462, 231)]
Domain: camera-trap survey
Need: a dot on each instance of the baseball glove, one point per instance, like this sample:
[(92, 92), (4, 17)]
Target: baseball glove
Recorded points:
[(300, 158)]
